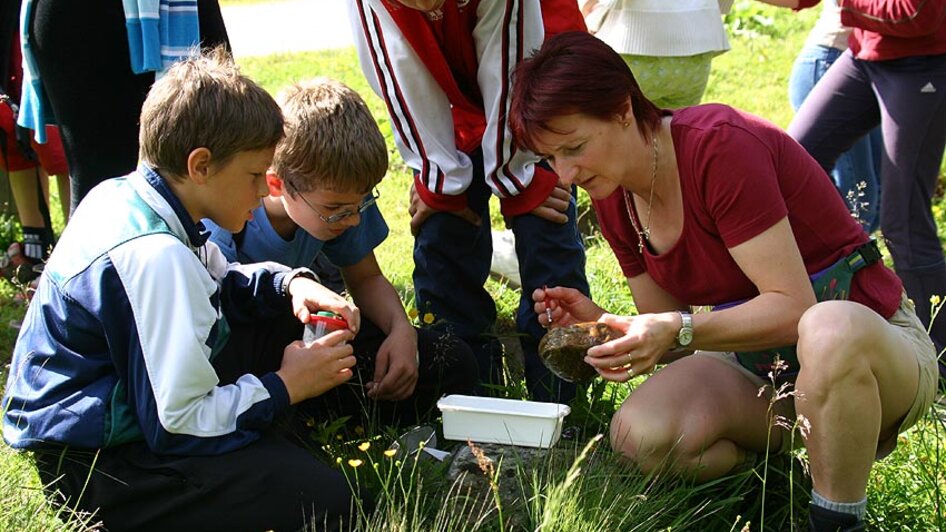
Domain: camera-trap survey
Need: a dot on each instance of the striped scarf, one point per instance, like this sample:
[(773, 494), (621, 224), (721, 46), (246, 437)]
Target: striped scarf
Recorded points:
[(160, 32)]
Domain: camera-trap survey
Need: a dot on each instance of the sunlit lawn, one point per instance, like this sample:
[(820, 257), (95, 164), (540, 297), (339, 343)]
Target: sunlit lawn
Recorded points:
[(906, 491)]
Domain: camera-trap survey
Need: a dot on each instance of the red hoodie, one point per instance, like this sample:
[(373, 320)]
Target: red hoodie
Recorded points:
[(891, 29)]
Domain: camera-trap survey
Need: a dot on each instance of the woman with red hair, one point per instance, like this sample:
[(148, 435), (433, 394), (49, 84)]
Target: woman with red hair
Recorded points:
[(710, 206)]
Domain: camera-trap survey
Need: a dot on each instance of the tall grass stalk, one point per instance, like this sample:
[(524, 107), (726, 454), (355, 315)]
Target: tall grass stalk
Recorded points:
[(773, 421)]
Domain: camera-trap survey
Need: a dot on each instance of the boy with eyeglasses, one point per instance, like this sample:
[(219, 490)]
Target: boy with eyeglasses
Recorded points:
[(322, 199)]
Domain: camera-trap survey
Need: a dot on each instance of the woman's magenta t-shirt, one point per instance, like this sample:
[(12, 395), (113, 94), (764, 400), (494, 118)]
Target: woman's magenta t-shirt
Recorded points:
[(739, 176)]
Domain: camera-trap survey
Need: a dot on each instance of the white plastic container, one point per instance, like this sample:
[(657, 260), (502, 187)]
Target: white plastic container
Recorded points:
[(505, 421)]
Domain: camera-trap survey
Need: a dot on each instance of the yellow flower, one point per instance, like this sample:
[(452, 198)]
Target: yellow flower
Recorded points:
[(428, 318), (413, 313), (359, 430), (338, 460), (390, 453), (364, 446), (935, 299), (355, 462), (338, 437)]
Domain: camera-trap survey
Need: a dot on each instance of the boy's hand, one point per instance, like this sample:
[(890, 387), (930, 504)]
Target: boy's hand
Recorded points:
[(311, 371), (309, 296), (420, 211), (554, 207), (395, 366)]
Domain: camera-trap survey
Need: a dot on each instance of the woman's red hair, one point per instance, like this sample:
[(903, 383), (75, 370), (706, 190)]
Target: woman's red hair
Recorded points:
[(571, 73)]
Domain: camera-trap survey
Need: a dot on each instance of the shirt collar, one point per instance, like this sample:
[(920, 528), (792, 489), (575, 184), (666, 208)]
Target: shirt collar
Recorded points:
[(197, 234)]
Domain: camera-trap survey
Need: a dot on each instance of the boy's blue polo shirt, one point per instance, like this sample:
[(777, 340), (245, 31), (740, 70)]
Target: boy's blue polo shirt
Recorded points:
[(260, 242)]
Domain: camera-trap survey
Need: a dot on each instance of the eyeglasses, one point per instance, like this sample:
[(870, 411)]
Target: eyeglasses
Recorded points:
[(339, 216)]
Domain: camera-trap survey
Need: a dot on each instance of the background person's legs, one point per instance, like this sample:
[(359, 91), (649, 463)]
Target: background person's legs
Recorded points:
[(839, 110), (846, 104), (64, 184), (914, 129), (30, 187), (451, 264), (550, 254), (52, 159), (856, 171), (82, 52)]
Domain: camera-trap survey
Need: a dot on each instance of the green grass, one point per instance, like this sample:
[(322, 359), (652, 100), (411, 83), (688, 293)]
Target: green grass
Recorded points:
[(571, 489)]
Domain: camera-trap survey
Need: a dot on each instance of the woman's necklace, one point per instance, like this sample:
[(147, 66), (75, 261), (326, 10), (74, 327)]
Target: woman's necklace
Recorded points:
[(644, 234)]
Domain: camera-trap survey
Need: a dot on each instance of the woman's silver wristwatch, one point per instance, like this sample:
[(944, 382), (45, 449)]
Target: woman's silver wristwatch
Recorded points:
[(685, 334)]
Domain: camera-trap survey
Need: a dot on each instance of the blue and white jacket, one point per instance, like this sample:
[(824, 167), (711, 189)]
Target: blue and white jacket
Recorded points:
[(117, 343)]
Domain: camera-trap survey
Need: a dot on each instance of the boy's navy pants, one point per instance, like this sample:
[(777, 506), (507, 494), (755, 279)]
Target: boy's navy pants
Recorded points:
[(451, 264)]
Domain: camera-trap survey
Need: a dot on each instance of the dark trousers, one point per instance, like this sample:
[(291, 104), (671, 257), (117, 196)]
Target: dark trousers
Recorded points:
[(81, 50), (451, 263), (270, 484), (907, 97)]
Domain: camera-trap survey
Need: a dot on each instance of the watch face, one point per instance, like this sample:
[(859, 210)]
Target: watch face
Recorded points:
[(685, 337)]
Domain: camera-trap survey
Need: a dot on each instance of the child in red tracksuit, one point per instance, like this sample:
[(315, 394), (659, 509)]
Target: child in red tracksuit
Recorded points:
[(443, 69)]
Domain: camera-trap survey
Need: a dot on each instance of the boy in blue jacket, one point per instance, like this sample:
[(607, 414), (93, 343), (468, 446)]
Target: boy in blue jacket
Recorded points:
[(322, 199), (116, 381)]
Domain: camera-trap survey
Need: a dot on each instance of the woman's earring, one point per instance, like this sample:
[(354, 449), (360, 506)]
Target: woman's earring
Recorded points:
[(626, 124)]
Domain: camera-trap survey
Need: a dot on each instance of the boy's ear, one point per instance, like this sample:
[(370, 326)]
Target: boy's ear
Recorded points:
[(198, 165), (275, 184)]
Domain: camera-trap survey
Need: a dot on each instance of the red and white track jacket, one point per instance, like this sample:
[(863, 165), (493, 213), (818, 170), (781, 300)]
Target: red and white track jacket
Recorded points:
[(445, 78)]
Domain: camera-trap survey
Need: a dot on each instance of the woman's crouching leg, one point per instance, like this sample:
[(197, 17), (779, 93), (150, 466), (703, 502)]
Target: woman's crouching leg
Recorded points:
[(860, 376), (697, 417)]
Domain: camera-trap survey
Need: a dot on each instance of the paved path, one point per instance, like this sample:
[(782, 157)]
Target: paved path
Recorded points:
[(287, 26)]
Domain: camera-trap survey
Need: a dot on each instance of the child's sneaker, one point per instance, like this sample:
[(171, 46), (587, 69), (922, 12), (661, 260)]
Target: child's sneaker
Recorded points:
[(16, 267), (19, 269)]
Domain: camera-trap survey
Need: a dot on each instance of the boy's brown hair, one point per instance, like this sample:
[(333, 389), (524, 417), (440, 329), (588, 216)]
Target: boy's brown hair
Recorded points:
[(204, 101), (332, 142)]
